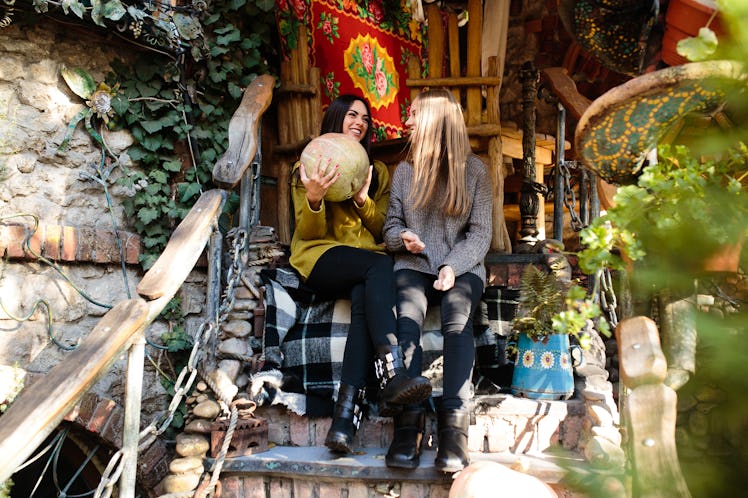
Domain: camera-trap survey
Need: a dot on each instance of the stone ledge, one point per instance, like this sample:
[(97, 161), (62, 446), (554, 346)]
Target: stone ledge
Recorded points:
[(367, 464)]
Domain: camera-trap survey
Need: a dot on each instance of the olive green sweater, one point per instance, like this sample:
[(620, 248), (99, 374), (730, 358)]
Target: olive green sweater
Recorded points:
[(336, 223)]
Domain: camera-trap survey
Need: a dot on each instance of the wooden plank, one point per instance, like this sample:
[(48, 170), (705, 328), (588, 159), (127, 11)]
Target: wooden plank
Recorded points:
[(453, 40), (465, 81), (284, 105), (494, 36), (500, 240), (284, 202), (184, 247), (243, 132), (315, 103), (565, 89), (474, 30), (436, 40), (651, 414), (40, 408), (641, 358)]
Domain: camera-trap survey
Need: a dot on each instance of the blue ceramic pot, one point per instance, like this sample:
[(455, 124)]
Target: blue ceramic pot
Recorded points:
[(543, 369)]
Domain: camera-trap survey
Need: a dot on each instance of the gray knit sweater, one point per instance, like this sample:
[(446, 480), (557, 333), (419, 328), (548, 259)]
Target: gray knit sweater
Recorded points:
[(460, 242)]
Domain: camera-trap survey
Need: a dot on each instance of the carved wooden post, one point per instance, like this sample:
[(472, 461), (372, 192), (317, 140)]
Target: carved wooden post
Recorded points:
[(528, 201)]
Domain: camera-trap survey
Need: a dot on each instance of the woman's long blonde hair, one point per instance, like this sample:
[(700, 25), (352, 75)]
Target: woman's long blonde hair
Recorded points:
[(439, 147)]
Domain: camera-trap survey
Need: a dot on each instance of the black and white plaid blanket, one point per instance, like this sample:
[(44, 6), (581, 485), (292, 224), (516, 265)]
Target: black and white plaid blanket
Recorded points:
[(304, 340)]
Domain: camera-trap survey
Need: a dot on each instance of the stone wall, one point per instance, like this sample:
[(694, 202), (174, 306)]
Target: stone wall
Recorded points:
[(76, 227)]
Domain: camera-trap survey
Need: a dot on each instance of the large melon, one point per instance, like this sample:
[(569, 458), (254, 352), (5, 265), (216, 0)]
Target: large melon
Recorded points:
[(348, 154)]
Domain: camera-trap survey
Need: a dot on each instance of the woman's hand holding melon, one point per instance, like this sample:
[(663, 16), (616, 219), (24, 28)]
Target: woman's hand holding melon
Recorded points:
[(317, 180)]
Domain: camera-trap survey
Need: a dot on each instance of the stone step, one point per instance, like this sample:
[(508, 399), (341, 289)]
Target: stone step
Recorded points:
[(540, 438), (502, 423), (289, 471)]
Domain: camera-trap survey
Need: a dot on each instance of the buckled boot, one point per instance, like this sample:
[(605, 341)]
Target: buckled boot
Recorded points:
[(395, 387), (405, 449), (346, 419), (452, 450)]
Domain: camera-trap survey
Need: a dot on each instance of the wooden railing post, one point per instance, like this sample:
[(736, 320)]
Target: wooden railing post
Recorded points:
[(649, 411)]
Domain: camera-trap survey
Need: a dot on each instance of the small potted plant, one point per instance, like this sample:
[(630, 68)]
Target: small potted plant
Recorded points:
[(551, 309)]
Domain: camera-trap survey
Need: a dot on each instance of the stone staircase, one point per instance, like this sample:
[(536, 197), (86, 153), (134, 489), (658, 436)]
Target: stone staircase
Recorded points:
[(538, 438)]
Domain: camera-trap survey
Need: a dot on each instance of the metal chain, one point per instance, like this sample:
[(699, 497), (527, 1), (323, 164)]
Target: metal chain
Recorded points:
[(568, 195), (608, 300), (207, 330)]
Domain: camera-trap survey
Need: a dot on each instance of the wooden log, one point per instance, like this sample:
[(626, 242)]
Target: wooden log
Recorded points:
[(641, 358), (184, 247), (465, 81), (295, 103), (500, 240), (305, 109), (474, 30), (414, 73), (243, 132), (40, 408), (436, 40), (453, 41), (315, 112), (650, 410), (284, 202), (299, 88), (284, 104)]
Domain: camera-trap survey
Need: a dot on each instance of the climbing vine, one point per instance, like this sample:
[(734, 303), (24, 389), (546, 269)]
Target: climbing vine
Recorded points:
[(179, 115)]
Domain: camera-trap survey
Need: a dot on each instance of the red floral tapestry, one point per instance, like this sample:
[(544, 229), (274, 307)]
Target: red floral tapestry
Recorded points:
[(361, 47)]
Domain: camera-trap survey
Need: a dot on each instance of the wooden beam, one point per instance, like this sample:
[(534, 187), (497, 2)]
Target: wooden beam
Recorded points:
[(641, 358), (468, 81), (651, 412), (564, 88), (40, 408), (184, 247), (243, 133)]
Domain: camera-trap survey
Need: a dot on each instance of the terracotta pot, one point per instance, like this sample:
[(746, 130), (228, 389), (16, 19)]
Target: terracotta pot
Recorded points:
[(727, 259), (683, 19)]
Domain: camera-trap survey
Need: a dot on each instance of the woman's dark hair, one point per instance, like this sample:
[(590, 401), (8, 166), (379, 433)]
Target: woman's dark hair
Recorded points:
[(332, 121)]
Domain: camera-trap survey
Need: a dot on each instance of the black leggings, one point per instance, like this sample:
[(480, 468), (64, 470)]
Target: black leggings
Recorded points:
[(367, 279), (414, 293)]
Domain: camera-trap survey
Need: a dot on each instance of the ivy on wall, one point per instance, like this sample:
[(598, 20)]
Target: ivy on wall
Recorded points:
[(176, 98)]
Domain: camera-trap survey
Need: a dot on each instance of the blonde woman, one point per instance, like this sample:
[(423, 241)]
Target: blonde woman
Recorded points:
[(438, 227)]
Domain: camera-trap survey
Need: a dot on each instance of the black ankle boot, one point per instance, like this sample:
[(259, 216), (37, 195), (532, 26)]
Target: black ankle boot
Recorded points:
[(452, 450), (405, 449), (346, 419), (395, 387)]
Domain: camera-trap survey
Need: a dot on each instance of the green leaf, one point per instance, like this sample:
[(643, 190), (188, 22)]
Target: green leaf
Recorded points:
[(159, 176), (188, 190), (148, 89), (235, 90), (114, 10), (79, 81), (698, 48), (173, 166), (152, 126), (147, 215)]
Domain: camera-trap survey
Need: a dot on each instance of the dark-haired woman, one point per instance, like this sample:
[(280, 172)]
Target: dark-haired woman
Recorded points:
[(337, 248)]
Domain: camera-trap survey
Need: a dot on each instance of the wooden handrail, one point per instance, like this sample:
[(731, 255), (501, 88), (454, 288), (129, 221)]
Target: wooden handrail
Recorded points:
[(42, 406), (184, 247), (649, 411), (244, 133)]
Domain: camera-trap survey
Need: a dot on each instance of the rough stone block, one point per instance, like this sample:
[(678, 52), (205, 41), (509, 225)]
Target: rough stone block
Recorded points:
[(329, 490)]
